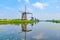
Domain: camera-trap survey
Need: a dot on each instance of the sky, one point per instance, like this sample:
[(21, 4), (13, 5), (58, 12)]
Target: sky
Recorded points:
[(41, 9)]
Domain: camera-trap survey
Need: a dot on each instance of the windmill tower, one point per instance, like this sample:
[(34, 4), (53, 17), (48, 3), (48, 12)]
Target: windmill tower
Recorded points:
[(24, 15)]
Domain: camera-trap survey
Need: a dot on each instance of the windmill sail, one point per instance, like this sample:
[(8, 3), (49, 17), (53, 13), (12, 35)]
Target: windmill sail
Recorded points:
[(24, 15)]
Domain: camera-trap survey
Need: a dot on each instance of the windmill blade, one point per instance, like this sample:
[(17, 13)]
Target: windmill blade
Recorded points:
[(28, 13), (29, 30), (25, 31), (21, 11)]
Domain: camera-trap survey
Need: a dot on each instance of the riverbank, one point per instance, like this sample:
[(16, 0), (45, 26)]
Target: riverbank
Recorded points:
[(55, 21), (17, 21)]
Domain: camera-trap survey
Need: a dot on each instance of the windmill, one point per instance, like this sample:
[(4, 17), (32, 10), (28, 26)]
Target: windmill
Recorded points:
[(24, 14)]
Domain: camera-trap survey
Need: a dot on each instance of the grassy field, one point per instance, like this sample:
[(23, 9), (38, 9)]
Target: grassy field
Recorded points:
[(17, 21)]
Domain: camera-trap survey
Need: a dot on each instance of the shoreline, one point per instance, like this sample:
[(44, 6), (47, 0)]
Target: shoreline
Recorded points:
[(17, 21)]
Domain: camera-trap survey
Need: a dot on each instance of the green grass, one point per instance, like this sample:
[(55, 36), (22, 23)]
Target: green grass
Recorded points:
[(16, 21)]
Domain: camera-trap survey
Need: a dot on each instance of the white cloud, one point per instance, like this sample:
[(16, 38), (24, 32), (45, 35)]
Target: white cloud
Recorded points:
[(19, 0), (27, 1), (57, 7), (40, 5)]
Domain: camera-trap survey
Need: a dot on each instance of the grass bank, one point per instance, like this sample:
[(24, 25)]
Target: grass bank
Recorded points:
[(17, 21), (55, 21)]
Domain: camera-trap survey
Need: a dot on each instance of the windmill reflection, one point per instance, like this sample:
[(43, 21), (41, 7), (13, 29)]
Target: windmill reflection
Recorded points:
[(25, 30)]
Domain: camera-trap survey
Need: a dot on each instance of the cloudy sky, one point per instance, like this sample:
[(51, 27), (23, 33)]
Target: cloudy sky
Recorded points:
[(41, 9)]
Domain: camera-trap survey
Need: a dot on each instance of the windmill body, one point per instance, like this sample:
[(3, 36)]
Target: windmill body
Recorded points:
[(24, 16)]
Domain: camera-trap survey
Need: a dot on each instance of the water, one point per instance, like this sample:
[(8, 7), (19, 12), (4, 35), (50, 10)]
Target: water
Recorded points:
[(39, 31)]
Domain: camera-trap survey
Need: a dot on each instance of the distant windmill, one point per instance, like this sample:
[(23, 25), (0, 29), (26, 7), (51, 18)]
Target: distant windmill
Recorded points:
[(24, 14)]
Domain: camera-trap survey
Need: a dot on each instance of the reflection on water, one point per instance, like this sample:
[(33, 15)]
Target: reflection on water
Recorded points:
[(40, 36), (24, 29), (39, 31)]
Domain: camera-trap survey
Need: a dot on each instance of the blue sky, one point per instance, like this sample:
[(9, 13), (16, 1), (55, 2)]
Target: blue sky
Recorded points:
[(41, 9)]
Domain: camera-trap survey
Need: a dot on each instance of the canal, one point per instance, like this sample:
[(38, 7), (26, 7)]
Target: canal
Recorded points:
[(38, 31)]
